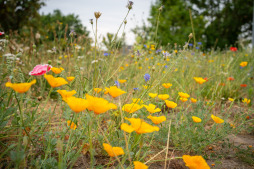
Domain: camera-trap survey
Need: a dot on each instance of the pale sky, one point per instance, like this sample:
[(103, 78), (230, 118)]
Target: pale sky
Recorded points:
[(113, 13)]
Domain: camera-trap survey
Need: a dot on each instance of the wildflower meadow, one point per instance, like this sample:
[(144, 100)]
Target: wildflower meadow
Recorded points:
[(68, 104)]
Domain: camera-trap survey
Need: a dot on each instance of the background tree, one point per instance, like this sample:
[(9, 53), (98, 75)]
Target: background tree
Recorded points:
[(228, 20), (57, 24), (15, 14), (174, 22), (216, 22), (109, 44)]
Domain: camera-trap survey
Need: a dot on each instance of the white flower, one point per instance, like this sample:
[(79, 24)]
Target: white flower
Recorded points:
[(94, 61)]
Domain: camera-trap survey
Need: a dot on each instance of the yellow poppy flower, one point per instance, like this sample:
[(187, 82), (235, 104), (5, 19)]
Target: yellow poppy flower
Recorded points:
[(230, 99), (139, 165), (76, 104), (138, 101), (170, 104), (122, 81), (131, 108), (114, 91), (97, 90), (139, 126), (152, 95), (151, 108), (183, 95), (167, 85), (113, 151), (72, 125), (245, 100), (183, 99), (145, 87), (65, 93), (193, 100), (217, 119), (99, 105), (163, 96), (196, 119), (57, 70), (157, 120), (20, 87), (199, 80), (195, 162), (243, 64), (70, 78), (55, 82)]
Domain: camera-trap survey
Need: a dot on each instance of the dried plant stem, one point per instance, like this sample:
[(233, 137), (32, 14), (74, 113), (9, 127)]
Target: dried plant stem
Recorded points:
[(169, 127)]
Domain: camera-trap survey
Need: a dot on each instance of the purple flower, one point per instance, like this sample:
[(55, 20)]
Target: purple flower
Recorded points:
[(129, 5), (197, 47), (136, 88), (199, 43), (106, 54), (166, 66), (117, 83), (190, 44), (147, 77), (159, 50)]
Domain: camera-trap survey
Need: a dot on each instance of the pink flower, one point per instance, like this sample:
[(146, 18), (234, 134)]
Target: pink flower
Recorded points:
[(40, 70), (1, 33)]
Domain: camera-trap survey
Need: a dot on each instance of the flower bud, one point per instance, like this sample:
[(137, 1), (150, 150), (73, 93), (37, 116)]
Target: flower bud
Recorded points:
[(49, 61), (97, 14)]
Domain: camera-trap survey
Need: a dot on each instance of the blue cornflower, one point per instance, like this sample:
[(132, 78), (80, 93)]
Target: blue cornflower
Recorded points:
[(145, 46), (106, 54), (197, 47), (199, 43), (192, 53), (159, 50), (117, 83), (190, 44), (147, 77), (166, 66), (136, 88)]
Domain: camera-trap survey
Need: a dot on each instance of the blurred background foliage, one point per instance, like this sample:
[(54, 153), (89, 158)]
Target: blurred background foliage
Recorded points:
[(217, 23)]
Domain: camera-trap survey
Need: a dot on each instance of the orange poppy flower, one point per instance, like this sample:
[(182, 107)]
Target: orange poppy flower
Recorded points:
[(72, 125), (163, 96), (217, 119), (99, 105), (157, 120), (131, 108), (183, 95), (167, 85), (139, 126), (151, 108), (193, 100), (114, 91), (55, 82), (76, 104), (153, 95), (113, 151), (70, 78), (20, 87), (97, 90), (65, 93), (57, 70), (195, 162), (199, 80), (139, 165), (196, 119), (170, 104)]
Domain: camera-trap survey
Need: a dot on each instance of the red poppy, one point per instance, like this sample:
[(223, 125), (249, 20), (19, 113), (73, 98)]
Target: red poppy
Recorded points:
[(233, 49), (243, 85), (206, 78), (1, 33), (231, 78), (222, 84), (247, 117)]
